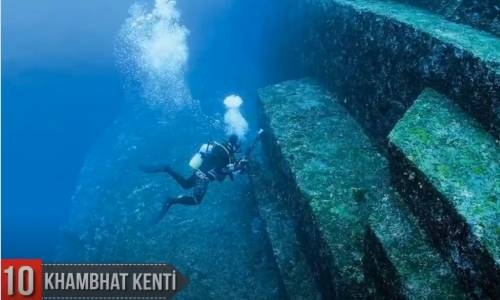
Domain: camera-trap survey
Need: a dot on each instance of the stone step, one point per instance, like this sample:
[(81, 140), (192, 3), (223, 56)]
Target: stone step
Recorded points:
[(378, 56), (484, 14), (401, 261), (298, 278), (325, 167), (448, 168)]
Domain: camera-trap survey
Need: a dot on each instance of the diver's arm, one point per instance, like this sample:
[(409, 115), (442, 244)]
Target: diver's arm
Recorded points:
[(228, 171), (240, 167)]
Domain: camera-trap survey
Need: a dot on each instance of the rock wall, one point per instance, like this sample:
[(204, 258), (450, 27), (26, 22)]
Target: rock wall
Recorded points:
[(335, 186), (484, 14), (425, 90), (356, 234), (379, 55), (448, 167)]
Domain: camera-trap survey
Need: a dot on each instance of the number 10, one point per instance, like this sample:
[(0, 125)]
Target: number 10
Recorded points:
[(24, 288)]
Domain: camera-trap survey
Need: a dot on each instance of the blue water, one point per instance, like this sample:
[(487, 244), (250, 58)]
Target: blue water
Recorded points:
[(63, 87)]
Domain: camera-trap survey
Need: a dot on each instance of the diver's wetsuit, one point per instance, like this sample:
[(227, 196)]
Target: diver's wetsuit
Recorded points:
[(214, 167), (198, 182)]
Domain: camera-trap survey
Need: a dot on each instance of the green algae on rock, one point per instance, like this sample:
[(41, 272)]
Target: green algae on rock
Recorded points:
[(379, 55), (338, 185), (394, 237), (296, 274), (328, 216), (452, 182), (484, 14)]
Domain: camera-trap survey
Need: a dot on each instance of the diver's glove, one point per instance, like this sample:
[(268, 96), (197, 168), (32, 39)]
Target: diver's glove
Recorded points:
[(229, 170), (241, 166)]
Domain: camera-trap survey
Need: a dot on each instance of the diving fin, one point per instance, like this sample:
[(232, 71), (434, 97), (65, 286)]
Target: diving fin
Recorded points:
[(163, 212)]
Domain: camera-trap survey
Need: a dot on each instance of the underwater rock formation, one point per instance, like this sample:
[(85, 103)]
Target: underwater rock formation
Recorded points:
[(484, 14), (448, 167), (379, 55), (400, 259), (219, 245), (436, 211), (354, 230), (296, 274)]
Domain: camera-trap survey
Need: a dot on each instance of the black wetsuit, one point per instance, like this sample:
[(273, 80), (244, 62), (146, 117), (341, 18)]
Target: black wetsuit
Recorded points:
[(214, 167)]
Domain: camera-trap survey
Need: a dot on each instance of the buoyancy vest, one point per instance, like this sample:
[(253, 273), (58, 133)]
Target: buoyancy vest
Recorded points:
[(212, 158)]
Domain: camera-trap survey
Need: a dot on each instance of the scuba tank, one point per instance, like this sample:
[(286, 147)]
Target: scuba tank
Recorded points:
[(197, 159)]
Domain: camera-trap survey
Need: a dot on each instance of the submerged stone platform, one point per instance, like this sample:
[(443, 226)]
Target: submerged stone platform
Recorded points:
[(400, 259), (484, 14), (448, 167), (347, 217), (296, 274), (379, 55)]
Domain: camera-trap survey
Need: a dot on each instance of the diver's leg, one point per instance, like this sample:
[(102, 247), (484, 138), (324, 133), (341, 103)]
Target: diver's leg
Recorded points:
[(185, 183), (185, 200), (201, 186), (200, 189)]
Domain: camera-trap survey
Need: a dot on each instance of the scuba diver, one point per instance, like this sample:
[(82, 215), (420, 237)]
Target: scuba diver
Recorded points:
[(214, 161)]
